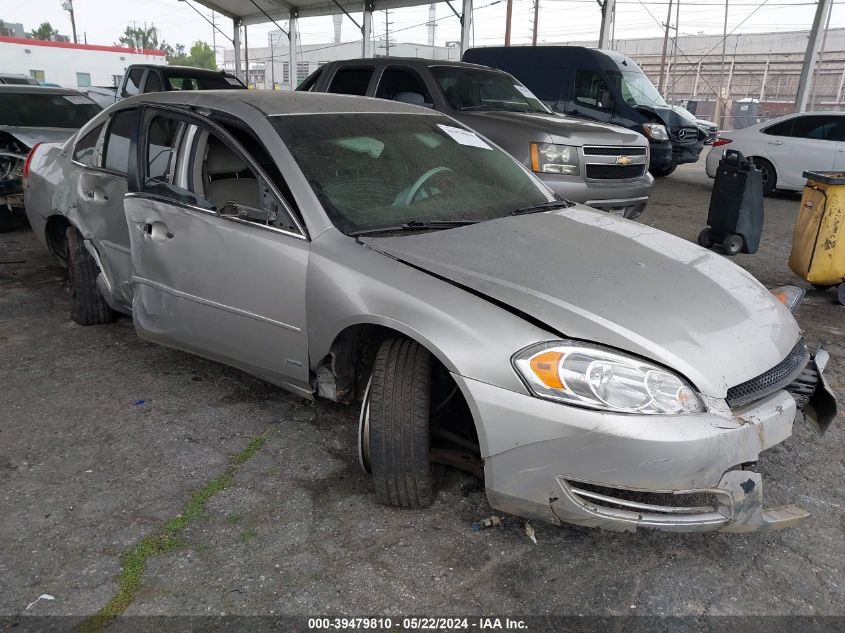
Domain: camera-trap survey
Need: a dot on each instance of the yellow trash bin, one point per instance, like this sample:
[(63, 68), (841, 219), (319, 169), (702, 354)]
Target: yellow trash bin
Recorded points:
[(818, 240)]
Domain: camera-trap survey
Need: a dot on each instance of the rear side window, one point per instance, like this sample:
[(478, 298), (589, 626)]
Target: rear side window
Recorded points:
[(186, 80), (817, 127), (133, 81), (87, 150), (36, 109), (399, 84), (117, 141), (351, 81)]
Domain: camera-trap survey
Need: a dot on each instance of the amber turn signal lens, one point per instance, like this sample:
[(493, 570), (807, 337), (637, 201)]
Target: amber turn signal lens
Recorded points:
[(545, 367)]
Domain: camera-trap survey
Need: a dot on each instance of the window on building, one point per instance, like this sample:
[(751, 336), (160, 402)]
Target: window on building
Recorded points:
[(83, 80), (303, 69), (351, 81), (117, 141), (285, 73), (37, 75)]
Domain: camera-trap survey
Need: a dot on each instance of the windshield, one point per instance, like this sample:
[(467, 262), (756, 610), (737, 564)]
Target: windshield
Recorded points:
[(470, 89), (31, 109), (374, 171), (636, 88)]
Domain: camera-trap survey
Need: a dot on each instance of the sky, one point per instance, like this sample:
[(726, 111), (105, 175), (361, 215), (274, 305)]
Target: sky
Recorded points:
[(102, 21)]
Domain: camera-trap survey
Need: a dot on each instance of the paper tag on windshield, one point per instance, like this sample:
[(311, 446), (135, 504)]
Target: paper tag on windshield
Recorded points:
[(78, 99), (525, 92), (464, 137)]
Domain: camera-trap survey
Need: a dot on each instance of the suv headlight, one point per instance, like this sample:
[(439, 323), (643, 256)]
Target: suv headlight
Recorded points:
[(550, 158), (656, 131), (591, 376)]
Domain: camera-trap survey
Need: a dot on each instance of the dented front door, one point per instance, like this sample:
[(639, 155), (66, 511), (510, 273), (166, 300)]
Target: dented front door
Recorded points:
[(227, 290)]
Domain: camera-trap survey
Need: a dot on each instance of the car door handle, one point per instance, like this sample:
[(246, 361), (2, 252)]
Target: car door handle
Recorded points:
[(775, 142)]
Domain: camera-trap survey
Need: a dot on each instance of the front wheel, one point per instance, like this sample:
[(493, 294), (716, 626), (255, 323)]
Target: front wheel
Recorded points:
[(770, 178), (395, 436), (732, 244), (704, 238), (662, 172)]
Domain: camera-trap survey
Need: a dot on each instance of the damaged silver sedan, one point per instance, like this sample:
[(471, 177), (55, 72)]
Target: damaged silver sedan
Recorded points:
[(594, 370)]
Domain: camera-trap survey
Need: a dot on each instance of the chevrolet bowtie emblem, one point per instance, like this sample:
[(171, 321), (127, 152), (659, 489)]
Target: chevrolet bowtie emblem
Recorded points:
[(623, 160)]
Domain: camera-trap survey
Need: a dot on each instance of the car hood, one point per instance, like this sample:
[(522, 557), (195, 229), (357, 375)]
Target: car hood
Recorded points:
[(577, 131), (593, 277), (671, 115), (29, 136)]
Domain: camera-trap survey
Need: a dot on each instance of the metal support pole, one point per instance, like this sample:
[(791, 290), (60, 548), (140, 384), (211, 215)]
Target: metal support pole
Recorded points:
[(718, 112), (536, 22), (812, 54), (508, 17), (695, 81), (367, 29), (763, 83), (272, 64), (236, 43), (660, 81), (839, 90), (293, 39), (466, 25), (608, 18), (246, 54)]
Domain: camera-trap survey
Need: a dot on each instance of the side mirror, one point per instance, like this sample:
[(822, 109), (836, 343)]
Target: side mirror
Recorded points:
[(414, 98)]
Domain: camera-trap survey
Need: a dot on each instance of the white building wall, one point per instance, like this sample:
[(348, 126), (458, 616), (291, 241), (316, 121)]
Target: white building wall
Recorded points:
[(61, 62)]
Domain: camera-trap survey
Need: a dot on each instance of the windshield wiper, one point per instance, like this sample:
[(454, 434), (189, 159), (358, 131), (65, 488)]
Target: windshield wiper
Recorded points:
[(543, 206), (414, 225)]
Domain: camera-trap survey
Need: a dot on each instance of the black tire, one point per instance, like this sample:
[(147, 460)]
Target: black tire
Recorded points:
[(664, 171), (840, 294), (7, 219), (732, 244), (704, 238), (770, 177), (823, 287), (88, 307), (399, 434)]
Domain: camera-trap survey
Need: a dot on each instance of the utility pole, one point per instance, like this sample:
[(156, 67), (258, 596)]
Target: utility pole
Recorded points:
[(508, 16), (665, 43), (719, 100), (386, 33), (674, 50), (67, 5), (536, 22), (214, 36), (818, 63), (608, 14)]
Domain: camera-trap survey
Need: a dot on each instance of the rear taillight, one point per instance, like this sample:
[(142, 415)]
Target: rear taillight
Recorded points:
[(721, 141), (27, 162)]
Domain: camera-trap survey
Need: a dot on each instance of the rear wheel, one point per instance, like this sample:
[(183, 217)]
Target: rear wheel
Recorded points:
[(732, 244), (770, 178), (840, 294), (704, 238), (823, 287), (88, 307), (664, 171), (395, 434)]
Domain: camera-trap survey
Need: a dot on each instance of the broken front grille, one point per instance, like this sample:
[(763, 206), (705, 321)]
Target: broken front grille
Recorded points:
[(638, 501), (609, 172), (781, 376)]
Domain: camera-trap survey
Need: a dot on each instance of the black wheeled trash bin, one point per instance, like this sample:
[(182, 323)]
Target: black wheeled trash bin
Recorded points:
[(736, 206)]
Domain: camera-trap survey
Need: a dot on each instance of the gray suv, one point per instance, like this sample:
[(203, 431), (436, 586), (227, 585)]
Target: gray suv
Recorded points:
[(601, 165)]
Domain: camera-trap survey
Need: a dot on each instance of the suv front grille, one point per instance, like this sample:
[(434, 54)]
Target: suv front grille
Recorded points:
[(781, 376), (598, 171), (684, 134), (614, 151)]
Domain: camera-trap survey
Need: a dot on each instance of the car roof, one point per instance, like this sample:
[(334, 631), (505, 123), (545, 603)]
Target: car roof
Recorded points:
[(420, 62), (184, 69), (41, 90), (277, 102)]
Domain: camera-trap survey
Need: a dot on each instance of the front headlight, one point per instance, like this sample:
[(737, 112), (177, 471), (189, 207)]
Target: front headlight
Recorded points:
[(591, 376), (656, 131), (550, 158)]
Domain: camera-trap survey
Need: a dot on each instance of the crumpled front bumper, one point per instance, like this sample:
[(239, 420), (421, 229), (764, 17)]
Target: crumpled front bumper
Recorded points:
[(562, 464)]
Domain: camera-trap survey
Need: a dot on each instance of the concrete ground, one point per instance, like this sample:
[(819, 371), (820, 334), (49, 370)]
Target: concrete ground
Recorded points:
[(104, 439)]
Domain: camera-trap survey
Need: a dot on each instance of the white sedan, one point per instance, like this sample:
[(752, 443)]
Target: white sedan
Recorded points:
[(786, 147)]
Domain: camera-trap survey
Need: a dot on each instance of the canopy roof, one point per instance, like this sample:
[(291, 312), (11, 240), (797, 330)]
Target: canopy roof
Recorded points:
[(249, 13)]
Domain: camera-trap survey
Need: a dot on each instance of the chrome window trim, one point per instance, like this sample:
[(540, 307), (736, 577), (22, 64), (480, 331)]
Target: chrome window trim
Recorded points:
[(190, 207)]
